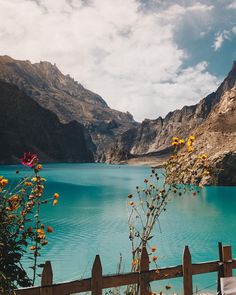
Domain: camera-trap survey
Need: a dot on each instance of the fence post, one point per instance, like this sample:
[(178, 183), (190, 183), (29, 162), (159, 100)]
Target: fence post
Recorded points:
[(47, 279), (227, 261), (187, 272), (144, 266), (96, 281), (220, 271)]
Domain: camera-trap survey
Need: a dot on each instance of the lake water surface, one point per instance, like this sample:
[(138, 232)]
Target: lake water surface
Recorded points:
[(91, 218)]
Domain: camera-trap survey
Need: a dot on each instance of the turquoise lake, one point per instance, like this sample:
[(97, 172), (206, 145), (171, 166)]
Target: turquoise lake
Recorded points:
[(91, 218)]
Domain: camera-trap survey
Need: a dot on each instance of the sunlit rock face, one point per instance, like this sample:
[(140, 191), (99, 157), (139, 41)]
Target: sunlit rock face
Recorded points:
[(212, 121)]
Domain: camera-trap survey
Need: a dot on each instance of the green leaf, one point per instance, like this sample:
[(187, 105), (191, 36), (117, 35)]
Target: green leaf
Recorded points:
[(41, 265), (150, 238)]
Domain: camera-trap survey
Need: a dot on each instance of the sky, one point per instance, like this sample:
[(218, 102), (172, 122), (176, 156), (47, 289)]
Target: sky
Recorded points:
[(147, 57)]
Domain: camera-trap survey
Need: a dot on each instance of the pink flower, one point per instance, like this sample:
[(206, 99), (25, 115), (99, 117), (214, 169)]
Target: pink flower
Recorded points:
[(30, 160)]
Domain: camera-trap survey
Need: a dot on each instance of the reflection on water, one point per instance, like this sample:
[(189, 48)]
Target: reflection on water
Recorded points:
[(91, 218)]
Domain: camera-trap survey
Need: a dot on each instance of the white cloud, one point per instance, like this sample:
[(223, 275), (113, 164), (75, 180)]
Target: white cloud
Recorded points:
[(221, 37), (127, 55), (232, 5)]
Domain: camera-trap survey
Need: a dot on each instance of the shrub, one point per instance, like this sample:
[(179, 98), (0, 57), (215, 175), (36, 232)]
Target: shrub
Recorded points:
[(21, 231), (151, 200)]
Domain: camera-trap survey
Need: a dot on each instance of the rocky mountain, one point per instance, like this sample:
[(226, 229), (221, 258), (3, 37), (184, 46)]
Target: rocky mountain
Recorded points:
[(212, 120), (69, 100), (63, 121), (26, 126), (217, 135)]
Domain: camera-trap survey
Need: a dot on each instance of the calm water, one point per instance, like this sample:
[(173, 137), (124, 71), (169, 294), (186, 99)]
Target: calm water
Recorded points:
[(91, 218)]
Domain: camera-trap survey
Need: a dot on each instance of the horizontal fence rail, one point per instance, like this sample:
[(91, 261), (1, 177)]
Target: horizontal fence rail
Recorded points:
[(98, 281)]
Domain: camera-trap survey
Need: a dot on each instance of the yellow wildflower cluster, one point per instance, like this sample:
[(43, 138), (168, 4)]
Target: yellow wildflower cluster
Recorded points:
[(177, 141), (203, 157), (3, 181), (190, 142)]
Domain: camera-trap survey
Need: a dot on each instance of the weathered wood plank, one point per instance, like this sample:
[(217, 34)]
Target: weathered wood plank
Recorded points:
[(234, 263), (144, 285), (96, 281), (205, 267), (165, 273), (72, 287), (47, 279), (227, 261), (28, 291), (120, 280), (111, 281), (61, 288), (187, 272)]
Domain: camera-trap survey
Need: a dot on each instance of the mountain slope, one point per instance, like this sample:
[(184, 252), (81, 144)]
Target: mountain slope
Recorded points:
[(217, 135), (154, 136), (26, 126), (68, 99)]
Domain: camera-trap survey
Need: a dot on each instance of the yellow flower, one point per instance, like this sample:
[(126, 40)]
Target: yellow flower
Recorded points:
[(181, 141), (14, 198), (135, 262), (206, 173), (131, 203), (40, 231), (190, 149), (49, 229), (56, 196), (191, 138), (154, 258), (28, 183), (175, 139), (3, 182), (153, 249), (34, 179), (189, 143), (174, 143), (39, 167), (203, 157), (55, 202)]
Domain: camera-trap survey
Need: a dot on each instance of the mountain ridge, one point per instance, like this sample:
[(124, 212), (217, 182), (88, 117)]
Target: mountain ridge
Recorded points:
[(113, 136), (68, 99), (155, 135)]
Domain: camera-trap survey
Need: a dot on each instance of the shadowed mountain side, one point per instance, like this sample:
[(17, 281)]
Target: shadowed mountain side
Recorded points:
[(68, 99), (26, 126)]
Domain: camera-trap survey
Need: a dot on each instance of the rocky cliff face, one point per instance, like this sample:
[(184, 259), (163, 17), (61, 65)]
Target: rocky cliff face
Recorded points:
[(217, 135), (155, 135), (26, 126), (68, 99)]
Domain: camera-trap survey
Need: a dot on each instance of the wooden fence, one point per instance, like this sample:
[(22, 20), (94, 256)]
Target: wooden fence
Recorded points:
[(98, 281)]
